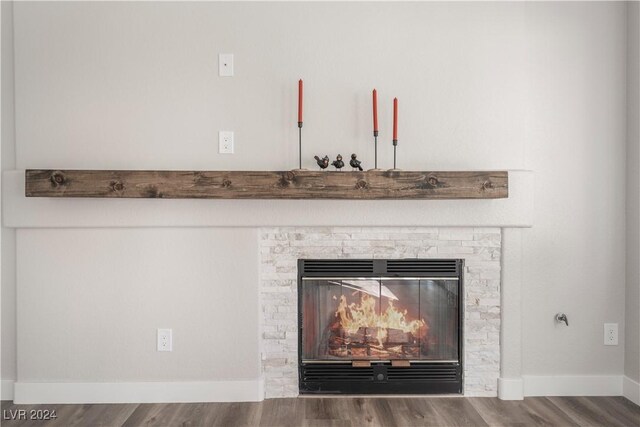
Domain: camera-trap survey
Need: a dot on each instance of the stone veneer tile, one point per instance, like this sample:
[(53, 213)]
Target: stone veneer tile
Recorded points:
[(281, 247)]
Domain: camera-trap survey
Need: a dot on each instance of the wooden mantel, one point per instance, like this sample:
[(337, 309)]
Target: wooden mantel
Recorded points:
[(295, 184)]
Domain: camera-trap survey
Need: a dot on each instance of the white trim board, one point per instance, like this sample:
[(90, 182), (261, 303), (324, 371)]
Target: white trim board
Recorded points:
[(6, 389), (142, 392), (510, 388), (631, 390), (569, 385), (253, 390)]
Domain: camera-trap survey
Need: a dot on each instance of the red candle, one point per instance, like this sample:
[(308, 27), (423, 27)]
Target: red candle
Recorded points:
[(375, 111), (395, 119), (300, 90)]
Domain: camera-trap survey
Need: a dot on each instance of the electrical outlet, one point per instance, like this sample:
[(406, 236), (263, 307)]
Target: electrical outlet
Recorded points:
[(225, 142), (165, 341), (225, 65), (610, 334)]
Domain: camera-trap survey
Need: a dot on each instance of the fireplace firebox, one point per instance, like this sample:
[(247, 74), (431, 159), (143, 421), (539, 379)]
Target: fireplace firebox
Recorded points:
[(380, 326)]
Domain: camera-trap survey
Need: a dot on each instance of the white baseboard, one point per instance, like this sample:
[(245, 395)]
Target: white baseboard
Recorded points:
[(510, 388), (145, 392), (631, 390), (582, 385), (6, 389), (253, 390)]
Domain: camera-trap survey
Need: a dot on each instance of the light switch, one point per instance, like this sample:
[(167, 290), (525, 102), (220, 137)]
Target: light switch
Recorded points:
[(225, 64)]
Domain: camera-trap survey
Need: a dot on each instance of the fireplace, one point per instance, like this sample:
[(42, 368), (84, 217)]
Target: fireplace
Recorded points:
[(380, 326)]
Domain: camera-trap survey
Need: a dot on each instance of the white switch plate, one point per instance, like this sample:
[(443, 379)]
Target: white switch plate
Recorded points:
[(225, 142), (225, 65), (610, 334), (165, 341)]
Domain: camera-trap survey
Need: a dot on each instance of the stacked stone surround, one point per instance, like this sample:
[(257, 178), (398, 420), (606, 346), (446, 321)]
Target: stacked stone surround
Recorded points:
[(280, 249)]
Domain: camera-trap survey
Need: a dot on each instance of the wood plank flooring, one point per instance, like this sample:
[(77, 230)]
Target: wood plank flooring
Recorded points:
[(346, 412)]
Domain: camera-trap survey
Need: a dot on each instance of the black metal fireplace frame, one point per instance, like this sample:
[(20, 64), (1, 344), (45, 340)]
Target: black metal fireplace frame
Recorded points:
[(421, 377)]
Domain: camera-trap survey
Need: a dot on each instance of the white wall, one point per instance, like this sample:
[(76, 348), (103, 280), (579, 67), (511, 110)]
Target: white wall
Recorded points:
[(7, 235), (90, 301), (135, 85), (632, 301), (481, 85), (575, 254)]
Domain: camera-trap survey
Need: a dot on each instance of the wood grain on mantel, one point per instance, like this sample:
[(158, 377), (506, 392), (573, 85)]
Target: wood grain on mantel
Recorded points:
[(295, 184)]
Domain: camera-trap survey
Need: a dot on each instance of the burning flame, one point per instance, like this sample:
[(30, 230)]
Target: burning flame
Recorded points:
[(364, 315)]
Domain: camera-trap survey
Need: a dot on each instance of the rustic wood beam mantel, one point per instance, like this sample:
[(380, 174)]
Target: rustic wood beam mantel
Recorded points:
[(295, 184)]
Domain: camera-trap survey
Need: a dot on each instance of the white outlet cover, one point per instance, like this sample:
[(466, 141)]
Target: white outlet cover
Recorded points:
[(225, 65), (225, 142), (165, 340), (610, 334)]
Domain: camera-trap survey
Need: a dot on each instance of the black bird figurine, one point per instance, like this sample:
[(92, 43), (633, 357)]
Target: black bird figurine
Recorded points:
[(322, 162), (338, 163), (355, 163)]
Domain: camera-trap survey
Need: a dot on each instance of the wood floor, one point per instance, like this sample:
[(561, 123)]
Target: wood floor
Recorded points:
[(346, 412)]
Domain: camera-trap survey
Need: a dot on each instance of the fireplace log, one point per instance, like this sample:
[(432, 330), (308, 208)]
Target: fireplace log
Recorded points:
[(359, 351), (397, 336), (297, 184)]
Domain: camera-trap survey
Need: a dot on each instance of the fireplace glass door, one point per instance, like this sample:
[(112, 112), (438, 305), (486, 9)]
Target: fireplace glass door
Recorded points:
[(379, 319)]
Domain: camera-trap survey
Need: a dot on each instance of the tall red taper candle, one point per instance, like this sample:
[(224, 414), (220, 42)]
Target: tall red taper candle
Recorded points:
[(300, 90), (395, 120), (375, 112)]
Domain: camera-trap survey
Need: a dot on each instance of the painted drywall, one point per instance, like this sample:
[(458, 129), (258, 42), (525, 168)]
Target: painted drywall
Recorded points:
[(94, 302), (632, 300), (574, 256), (481, 85), (138, 84), (7, 235), (1, 382)]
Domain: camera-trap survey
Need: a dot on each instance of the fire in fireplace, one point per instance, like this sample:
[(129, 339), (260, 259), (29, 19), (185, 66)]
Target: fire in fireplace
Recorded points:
[(380, 326)]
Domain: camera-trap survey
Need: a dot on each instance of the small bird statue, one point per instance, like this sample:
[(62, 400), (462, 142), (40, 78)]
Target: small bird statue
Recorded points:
[(322, 162), (338, 163), (355, 163)]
